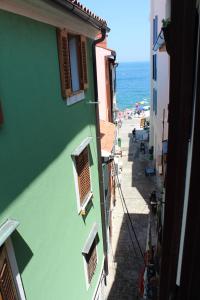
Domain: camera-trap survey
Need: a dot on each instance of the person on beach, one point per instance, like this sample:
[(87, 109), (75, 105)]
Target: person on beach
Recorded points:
[(142, 147), (134, 133)]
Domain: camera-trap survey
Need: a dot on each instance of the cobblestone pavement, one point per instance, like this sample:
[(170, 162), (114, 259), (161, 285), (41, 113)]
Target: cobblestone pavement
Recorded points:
[(125, 261)]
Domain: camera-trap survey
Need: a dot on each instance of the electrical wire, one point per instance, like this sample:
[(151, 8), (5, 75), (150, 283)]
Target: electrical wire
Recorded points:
[(128, 214), (129, 230)]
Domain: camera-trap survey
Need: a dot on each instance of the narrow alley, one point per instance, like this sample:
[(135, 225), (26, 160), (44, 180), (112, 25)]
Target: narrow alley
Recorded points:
[(125, 259)]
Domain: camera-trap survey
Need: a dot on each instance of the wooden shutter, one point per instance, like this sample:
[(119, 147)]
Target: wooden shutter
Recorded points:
[(83, 59), (64, 60), (91, 259), (83, 171), (7, 287)]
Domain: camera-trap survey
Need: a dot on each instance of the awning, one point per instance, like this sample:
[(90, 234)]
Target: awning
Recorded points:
[(82, 146), (6, 229), (159, 42), (107, 130), (90, 239)]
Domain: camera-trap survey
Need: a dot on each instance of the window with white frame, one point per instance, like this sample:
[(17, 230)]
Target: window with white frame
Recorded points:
[(83, 175), (11, 287), (73, 63), (90, 254), (91, 261)]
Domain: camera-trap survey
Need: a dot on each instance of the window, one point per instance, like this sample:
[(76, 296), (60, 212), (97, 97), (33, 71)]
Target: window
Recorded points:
[(83, 173), (7, 286), (154, 67), (91, 261), (155, 29), (73, 63), (90, 254), (155, 101)]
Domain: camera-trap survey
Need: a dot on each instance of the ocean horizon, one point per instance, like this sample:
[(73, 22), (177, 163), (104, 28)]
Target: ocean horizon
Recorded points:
[(133, 84)]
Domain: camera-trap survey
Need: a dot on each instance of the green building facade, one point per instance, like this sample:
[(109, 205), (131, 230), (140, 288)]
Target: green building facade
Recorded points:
[(40, 137)]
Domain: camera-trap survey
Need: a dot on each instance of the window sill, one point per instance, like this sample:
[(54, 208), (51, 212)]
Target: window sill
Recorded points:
[(75, 98), (85, 203)]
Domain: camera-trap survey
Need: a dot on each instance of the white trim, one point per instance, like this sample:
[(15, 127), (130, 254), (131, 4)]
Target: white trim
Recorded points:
[(88, 285), (6, 229), (76, 184), (99, 279), (82, 146), (75, 98), (81, 207), (43, 12), (14, 269), (90, 239), (87, 199)]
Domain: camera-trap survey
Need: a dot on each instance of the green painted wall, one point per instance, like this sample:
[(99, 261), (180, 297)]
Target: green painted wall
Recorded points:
[(37, 185)]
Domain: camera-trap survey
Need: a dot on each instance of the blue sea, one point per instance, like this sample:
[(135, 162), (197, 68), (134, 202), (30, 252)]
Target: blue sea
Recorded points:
[(133, 84)]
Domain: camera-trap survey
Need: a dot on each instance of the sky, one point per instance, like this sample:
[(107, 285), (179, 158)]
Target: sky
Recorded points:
[(129, 24)]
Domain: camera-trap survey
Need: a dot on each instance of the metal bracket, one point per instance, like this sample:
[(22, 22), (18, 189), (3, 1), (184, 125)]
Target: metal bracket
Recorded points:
[(93, 102)]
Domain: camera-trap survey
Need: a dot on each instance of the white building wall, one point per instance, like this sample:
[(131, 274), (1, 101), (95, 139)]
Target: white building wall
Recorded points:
[(161, 9)]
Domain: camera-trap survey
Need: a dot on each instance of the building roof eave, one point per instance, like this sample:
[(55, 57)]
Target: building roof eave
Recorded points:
[(82, 12)]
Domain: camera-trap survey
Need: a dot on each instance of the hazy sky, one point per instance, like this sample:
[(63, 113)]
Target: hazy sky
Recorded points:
[(129, 23)]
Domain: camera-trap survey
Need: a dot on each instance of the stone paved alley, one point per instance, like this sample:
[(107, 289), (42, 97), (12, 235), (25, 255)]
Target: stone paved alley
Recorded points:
[(125, 263)]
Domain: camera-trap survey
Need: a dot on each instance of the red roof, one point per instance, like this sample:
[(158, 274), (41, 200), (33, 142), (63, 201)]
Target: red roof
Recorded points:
[(87, 11)]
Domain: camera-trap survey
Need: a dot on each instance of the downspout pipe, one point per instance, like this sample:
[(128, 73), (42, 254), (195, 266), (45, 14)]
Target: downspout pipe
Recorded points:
[(98, 138)]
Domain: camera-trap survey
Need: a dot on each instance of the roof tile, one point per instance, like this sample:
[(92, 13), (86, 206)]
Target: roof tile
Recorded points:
[(87, 11)]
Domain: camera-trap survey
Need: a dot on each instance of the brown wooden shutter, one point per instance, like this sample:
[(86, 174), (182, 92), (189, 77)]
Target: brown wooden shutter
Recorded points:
[(83, 171), (91, 259), (64, 59), (7, 288), (83, 58), (108, 89)]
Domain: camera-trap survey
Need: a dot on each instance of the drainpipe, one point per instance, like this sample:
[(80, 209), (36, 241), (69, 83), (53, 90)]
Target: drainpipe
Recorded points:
[(98, 137)]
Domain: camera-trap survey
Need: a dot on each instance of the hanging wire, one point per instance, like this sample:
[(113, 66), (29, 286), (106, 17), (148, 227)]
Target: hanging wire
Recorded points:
[(128, 214), (129, 230)]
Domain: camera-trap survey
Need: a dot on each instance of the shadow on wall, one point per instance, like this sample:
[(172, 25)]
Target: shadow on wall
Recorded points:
[(21, 250), (128, 263), (38, 125), (144, 184), (36, 142)]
